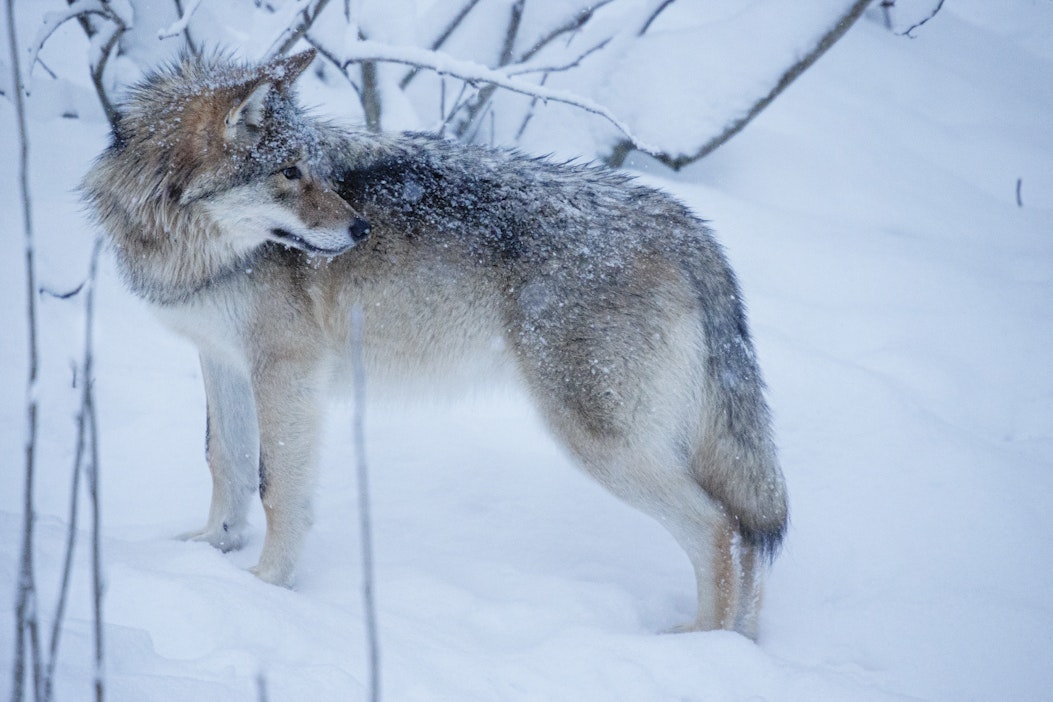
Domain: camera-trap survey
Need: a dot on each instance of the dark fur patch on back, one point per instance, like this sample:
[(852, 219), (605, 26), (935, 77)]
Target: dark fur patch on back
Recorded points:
[(419, 197)]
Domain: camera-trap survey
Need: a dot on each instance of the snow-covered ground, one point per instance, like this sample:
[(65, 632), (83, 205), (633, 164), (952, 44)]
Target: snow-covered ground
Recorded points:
[(902, 303)]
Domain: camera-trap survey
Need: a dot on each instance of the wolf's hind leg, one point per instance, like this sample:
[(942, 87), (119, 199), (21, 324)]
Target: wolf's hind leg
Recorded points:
[(659, 482), (232, 448), (751, 574), (728, 576)]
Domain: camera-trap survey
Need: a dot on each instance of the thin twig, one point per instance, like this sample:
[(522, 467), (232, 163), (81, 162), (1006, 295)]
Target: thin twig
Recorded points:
[(99, 69), (83, 14), (93, 466), (441, 129), (67, 565), (97, 585), (654, 15), (26, 622), (441, 39), (308, 16), (365, 520), (332, 58), (530, 112), (261, 687), (476, 108), (572, 25), (84, 460), (558, 68), (182, 25), (45, 290), (939, 6)]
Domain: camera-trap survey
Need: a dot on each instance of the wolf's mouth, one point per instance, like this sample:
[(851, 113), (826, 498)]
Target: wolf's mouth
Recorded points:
[(295, 241)]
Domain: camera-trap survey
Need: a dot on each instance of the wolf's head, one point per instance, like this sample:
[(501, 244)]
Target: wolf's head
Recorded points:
[(221, 155)]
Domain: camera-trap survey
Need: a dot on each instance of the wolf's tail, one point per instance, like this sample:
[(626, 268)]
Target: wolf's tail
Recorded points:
[(735, 461)]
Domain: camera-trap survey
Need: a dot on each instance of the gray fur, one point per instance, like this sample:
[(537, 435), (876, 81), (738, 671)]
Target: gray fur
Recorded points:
[(611, 301)]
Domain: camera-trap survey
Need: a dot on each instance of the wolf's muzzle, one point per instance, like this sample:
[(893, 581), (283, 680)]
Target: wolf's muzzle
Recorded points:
[(324, 245)]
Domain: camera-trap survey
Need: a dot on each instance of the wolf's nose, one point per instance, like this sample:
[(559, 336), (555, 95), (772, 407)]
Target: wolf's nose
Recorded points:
[(358, 230)]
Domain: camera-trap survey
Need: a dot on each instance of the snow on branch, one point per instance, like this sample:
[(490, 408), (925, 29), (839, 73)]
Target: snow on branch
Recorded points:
[(441, 39), (103, 42), (78, 10), (792, 72), (474, 74), (292, 34), (569, 27), (180, 25)]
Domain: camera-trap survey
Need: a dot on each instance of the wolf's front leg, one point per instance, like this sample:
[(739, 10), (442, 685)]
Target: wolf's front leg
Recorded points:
[(232, 447), (288, 400)]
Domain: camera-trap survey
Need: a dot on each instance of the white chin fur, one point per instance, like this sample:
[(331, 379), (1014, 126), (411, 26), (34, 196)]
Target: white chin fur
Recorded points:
[(247, 218)]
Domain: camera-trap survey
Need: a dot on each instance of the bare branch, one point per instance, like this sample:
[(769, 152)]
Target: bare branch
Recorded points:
[(365, 520), (625, 147), (96, 532), (530, 113), (26, 622), (79, 10), (370, 94), (307, 17), (67, 564), (939, 6), (572, 25), (99, 68), (83, 11), (261, 687), (474, 74), (477, 104), (182, 25), (523, 70), (654, 15), (441, 39), (86, 446)]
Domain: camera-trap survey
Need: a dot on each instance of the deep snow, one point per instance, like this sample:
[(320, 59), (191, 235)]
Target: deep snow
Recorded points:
[(902, 304)]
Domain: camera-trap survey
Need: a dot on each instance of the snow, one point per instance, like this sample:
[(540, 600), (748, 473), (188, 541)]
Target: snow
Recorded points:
[(902, 308)]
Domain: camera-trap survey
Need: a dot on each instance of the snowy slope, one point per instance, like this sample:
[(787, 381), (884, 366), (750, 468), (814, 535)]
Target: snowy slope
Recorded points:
[(902, 304)]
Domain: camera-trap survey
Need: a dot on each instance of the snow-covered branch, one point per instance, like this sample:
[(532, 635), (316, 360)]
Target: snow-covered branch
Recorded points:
[(80, 9), (441, 39), (678, 161), (180, 25), (292, 34), (103, 41), (474, 74)]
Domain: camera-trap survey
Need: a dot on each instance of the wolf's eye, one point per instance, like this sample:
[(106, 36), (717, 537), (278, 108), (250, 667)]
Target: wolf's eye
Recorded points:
[(292, 173)]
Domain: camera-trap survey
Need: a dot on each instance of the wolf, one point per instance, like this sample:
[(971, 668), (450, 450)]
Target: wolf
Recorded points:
[(254, 229)]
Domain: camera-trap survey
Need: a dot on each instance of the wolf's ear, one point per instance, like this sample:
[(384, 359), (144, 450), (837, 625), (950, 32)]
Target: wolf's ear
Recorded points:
[(245, 120), (285, 70)]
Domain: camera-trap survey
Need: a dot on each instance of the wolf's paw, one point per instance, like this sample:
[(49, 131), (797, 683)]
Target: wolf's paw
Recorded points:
[(694, 626), (272, 575), (225, 538), (685, 628)]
